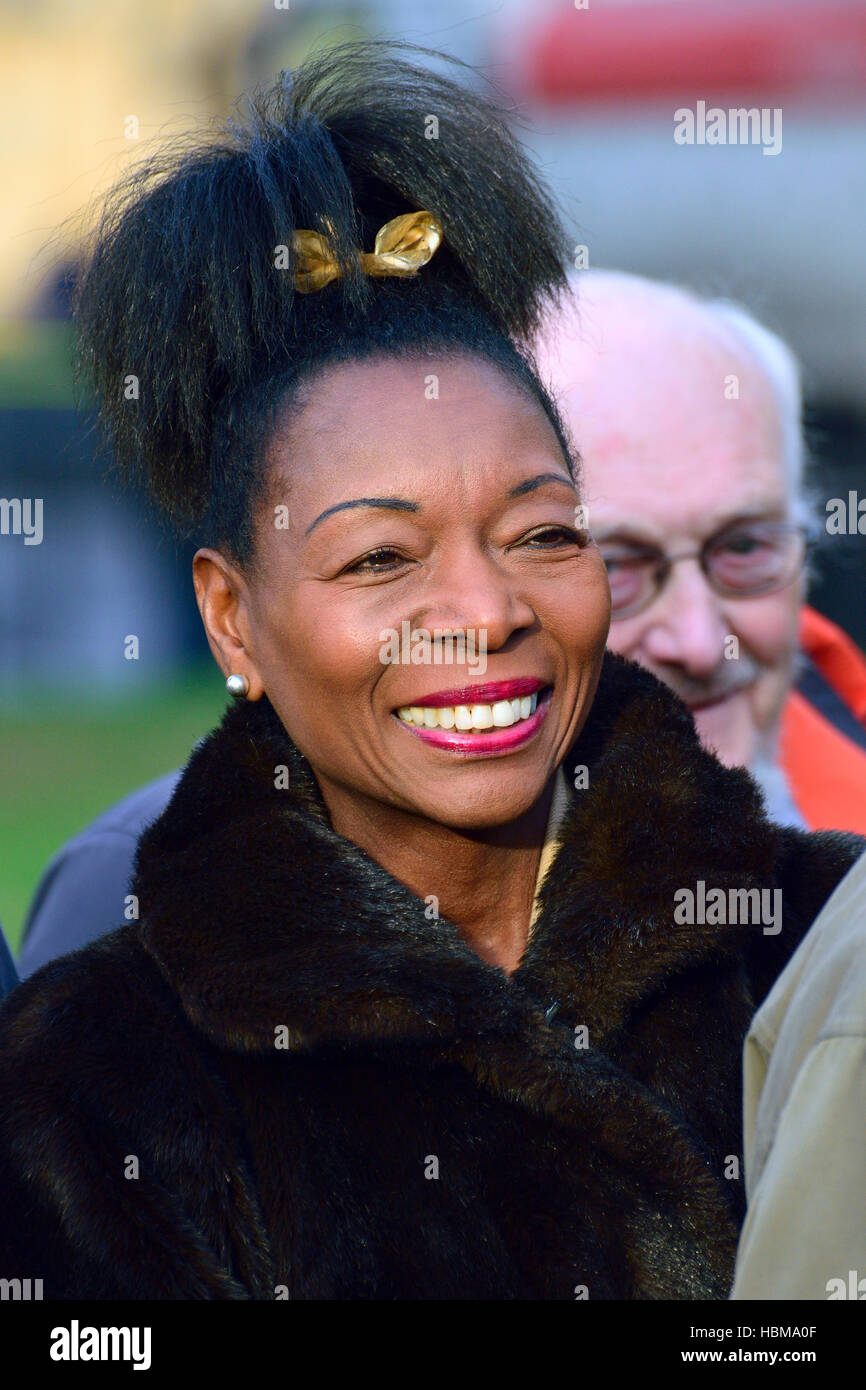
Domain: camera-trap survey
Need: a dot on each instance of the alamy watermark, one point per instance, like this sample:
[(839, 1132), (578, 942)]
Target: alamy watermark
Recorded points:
[(433, 647), (20, 1290), (739, 125), (736, 907), (77, 1343), (846, 517), (22, 516), (853, 1287)]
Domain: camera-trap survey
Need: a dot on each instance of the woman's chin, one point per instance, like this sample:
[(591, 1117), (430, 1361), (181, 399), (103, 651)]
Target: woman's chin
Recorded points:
[(484, 795)]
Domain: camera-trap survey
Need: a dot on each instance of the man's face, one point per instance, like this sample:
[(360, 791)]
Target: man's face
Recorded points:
[(669, 460)]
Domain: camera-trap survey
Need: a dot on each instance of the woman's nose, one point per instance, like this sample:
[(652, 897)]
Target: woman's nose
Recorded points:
[(472, 592)]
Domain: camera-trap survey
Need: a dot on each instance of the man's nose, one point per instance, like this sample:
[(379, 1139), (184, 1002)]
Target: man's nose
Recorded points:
[(686, 625)]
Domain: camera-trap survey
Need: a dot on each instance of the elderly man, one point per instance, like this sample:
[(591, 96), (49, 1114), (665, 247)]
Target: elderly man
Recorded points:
[(687, 415)]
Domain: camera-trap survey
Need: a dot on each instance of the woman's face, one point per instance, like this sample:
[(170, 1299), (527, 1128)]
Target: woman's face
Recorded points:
[(460, 518)]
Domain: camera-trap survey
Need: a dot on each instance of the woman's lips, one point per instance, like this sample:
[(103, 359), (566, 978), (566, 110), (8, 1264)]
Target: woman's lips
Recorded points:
[(485, 742), (480, 694)]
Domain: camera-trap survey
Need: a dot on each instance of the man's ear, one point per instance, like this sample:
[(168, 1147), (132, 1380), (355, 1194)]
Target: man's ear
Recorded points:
[(221, 594)]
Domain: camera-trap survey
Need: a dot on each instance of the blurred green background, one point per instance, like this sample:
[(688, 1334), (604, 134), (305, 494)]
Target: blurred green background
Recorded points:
[(63, 762), (70, 749)]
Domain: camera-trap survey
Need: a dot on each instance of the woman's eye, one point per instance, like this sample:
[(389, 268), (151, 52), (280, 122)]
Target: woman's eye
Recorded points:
[(385, 558), (562, 535), (367, 561)]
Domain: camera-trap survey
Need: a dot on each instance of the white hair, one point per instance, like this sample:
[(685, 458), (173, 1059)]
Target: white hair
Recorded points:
[(782, 370), (773, 356)]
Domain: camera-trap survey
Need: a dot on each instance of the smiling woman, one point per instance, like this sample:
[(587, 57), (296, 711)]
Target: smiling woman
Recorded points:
[(404, 1014), (477, 537)]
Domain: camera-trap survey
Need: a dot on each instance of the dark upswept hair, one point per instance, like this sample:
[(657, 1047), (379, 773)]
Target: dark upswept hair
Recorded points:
[(180, 287)]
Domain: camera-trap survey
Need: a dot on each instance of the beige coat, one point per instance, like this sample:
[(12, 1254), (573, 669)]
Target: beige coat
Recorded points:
[(805, 1116)]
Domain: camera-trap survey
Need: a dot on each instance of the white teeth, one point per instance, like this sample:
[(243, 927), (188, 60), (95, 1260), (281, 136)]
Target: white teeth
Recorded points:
[(503, 714), (500, 715)]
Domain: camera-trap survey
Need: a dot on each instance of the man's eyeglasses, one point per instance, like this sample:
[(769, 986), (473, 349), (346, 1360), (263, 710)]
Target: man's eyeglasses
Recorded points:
[(744, 560)]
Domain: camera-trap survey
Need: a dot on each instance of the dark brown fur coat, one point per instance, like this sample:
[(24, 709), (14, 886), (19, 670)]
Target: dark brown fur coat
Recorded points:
[(430, 1129)]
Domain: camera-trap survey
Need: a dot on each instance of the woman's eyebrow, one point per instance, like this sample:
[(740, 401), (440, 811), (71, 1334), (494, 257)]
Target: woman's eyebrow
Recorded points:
[(532, 483), (402, 504)]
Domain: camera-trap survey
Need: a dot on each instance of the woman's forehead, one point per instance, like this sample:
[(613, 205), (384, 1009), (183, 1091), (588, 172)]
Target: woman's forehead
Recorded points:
[(377, 415)]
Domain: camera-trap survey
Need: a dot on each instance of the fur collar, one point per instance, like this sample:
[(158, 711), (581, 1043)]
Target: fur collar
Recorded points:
[(261, 916)]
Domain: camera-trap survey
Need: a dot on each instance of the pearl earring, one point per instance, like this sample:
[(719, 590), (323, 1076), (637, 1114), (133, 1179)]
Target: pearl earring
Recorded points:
[(237, 685)]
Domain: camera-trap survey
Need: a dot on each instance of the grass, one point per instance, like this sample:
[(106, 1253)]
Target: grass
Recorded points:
[(35, 363), (63, 763)]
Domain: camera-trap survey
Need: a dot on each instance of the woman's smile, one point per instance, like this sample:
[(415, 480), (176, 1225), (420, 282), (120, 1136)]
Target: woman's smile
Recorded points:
[(473, 506), (479, 729)]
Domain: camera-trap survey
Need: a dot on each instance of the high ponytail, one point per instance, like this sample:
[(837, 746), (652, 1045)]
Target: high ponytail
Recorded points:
[(182, 286)]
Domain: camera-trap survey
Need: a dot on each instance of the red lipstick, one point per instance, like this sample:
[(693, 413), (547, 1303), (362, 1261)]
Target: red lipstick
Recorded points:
[(477, 694), (486, 743)]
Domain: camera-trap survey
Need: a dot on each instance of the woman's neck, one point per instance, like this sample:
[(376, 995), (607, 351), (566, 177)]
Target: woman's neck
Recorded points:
[(481, 880)]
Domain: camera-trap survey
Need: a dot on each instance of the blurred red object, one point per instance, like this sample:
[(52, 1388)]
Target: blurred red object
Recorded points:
[(766, 47)]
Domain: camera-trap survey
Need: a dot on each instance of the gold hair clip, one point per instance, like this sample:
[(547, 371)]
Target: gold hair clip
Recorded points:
[(402, 246)]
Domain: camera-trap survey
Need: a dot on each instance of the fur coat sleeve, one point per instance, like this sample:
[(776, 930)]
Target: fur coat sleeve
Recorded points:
[(285, 1081)]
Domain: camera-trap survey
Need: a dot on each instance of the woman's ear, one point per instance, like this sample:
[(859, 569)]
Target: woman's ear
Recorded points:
[(221, 594)]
